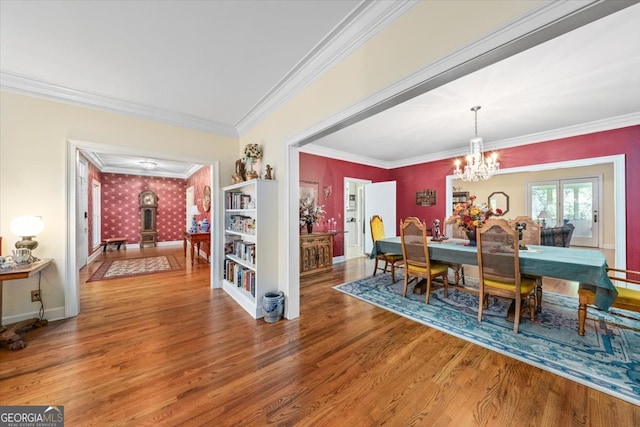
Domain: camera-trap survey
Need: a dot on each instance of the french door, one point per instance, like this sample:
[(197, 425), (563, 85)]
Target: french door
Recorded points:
[(574, 201)]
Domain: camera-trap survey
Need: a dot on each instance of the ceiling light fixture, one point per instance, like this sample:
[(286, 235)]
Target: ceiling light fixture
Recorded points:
[(478, 167), (148, 165)]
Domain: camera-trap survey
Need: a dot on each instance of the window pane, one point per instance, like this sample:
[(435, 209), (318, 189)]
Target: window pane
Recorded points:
[(544, 198)]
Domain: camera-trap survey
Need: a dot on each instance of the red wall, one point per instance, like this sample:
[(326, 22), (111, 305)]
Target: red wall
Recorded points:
[(331, 172), (411, 179), (121, 213), (198, 180)]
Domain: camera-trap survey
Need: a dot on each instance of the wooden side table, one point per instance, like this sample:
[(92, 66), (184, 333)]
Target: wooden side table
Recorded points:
[(195, 239), (10, 335)]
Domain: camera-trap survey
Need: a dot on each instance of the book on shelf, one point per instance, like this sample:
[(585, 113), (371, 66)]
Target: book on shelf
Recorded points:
[(240, 276), (245, 250), (242, 224), (237, 200)]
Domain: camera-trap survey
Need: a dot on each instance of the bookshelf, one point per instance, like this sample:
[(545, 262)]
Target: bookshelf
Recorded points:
[(460, 197), (250, 265)]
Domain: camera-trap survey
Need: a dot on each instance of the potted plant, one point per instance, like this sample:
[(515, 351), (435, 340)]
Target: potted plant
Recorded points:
[(470, 216), (310, 213)]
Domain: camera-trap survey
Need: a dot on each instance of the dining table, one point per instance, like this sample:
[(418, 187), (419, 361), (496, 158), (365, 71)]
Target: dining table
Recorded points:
[(586, 266)]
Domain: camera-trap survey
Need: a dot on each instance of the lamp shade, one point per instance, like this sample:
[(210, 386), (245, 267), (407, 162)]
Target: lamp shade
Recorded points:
[(193, 210), (543, 215), (27, 226)]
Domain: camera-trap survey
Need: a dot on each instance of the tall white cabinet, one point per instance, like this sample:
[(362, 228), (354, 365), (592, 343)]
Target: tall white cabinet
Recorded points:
[(250, 232)]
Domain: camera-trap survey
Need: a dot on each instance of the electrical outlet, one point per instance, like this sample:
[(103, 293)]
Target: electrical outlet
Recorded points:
[(35, 295)]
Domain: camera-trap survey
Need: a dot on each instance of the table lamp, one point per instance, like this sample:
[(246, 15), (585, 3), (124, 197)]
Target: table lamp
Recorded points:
[(193, 210), (27, 227), (543, 215)]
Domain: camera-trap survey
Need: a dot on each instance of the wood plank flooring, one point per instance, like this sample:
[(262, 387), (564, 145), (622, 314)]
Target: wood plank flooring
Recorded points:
[(165, 349)]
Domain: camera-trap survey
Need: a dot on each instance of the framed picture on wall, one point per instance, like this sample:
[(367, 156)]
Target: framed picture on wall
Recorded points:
[(309, 189)]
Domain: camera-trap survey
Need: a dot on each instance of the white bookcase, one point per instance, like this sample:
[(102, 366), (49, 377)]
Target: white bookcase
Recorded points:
[(250, 267)]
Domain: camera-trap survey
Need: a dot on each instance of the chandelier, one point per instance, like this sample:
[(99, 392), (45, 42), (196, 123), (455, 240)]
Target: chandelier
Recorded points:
[(478, 166)]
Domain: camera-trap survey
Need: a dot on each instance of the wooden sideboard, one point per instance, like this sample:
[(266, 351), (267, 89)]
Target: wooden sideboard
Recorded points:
[(316, 253)]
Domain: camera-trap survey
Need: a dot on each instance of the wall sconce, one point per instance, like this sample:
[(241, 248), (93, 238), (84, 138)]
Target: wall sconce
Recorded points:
[(27, 227)]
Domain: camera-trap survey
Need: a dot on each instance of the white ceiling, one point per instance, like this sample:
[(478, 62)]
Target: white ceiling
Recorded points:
[(219, 65)]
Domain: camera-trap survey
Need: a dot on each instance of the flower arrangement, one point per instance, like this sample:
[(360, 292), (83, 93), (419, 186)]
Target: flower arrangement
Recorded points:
[(469, 216), (310, 213), (253, 151)]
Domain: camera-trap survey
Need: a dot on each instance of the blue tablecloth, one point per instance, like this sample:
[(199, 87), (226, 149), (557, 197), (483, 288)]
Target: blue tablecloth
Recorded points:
[(588, 267)]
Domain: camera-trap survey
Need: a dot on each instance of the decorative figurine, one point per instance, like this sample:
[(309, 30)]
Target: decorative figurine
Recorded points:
[(239, 176), (521, 226), (437, 233), (267, 174)]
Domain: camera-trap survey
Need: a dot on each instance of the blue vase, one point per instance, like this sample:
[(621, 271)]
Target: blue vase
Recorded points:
[(471, 235), (272, 306), (204, 227)]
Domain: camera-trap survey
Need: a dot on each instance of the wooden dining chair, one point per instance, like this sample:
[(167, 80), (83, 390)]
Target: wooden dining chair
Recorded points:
[(499, 269), (627, 299), (531, 231), (390, 259), (530, 236), (415, 252)]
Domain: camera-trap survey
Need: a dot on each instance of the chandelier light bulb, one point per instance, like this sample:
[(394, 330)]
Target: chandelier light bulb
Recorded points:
[(478, 167)]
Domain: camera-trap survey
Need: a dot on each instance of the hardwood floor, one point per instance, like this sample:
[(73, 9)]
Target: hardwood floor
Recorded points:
[(165, 349)]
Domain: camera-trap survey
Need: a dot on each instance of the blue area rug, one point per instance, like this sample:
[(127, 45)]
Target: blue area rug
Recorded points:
[(607, 358)]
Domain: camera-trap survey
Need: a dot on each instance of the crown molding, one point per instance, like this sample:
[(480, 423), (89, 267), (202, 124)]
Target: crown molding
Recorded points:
[(535, 138), (142, 172), (347, 157), (29, 86), (542, 24), (364, 22), (95, 158)]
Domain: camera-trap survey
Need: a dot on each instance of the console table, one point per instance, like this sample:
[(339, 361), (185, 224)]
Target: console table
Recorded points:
[(10, 335), (195, 239)]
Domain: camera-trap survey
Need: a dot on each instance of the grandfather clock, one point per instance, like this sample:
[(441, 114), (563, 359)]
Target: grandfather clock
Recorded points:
[(148, 201)]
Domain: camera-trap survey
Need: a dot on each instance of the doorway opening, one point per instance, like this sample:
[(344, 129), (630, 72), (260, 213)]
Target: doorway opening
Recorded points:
[(575, 201), (354, 218), (72, 294)]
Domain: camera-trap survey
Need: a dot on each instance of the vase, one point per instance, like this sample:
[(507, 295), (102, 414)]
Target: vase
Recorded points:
[(471, 235), (309, 227), (272, 306)]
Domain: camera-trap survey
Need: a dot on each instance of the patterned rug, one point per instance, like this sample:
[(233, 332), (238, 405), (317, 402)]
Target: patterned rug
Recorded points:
[(607, 358), (119, 268)]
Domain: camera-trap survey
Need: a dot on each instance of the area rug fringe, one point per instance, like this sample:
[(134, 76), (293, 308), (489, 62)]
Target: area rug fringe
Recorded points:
[(607, 358)]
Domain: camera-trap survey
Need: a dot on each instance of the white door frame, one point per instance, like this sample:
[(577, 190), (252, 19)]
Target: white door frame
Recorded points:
[(82, 200), (359, 213), (71, 274)]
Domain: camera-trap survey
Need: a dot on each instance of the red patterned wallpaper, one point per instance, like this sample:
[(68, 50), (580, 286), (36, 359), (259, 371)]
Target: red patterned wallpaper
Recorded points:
[(121, 213), (198, 180), (93, 175)]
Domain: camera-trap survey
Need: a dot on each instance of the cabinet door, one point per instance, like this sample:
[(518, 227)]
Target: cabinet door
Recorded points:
[(308, 258), (325, 252)]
